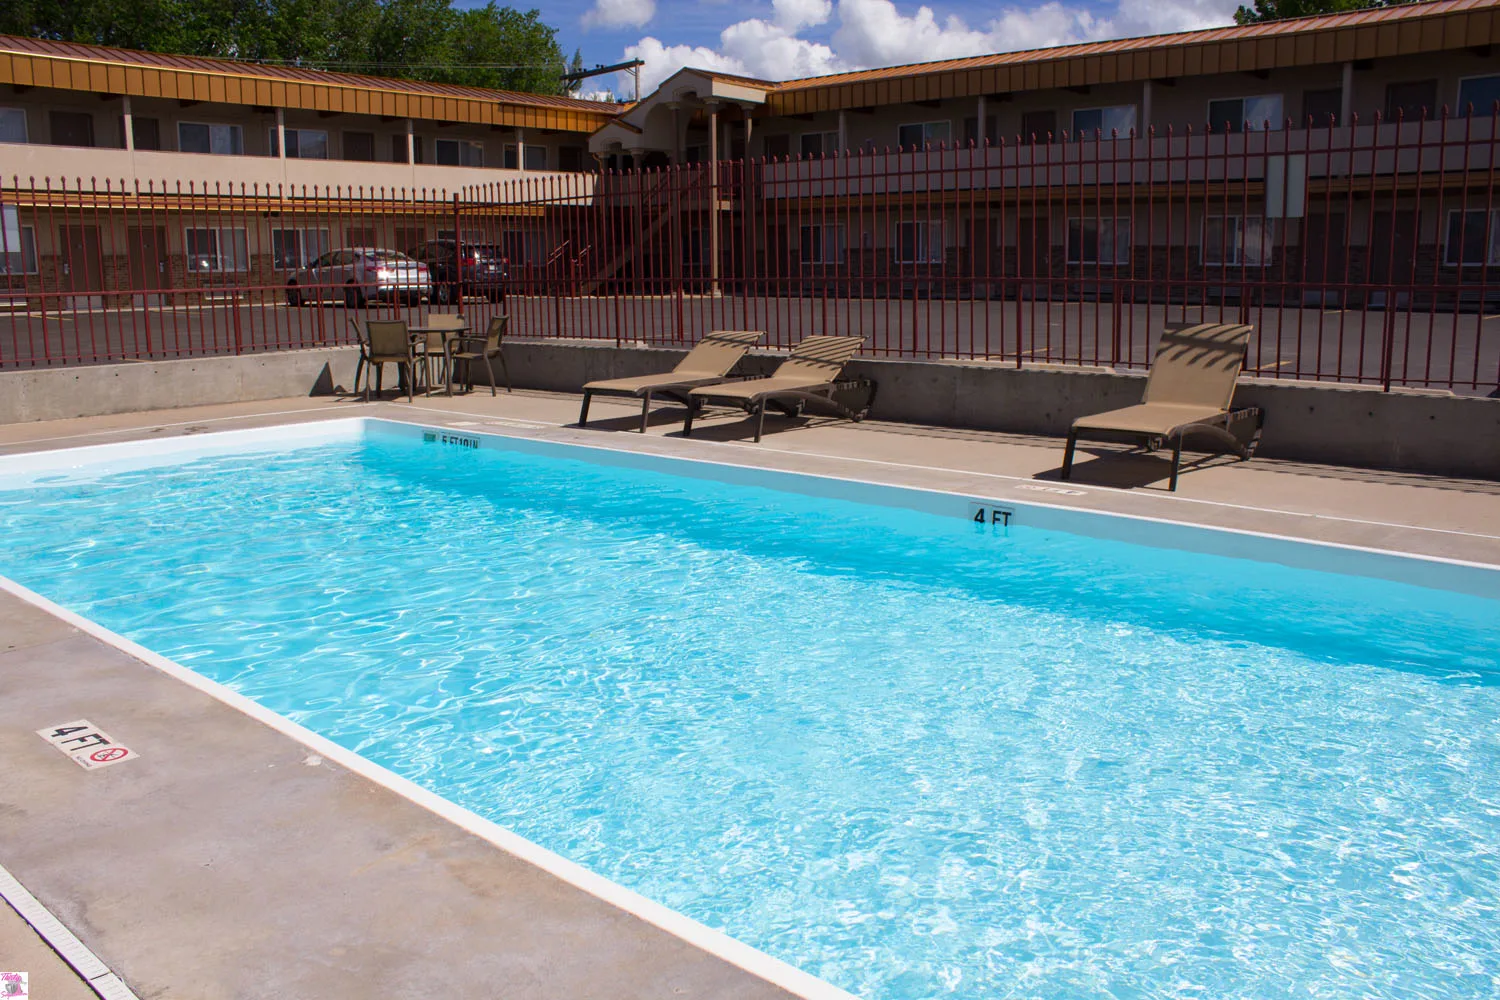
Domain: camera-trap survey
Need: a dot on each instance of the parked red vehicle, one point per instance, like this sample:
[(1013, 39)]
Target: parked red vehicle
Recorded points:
[(482, 271)]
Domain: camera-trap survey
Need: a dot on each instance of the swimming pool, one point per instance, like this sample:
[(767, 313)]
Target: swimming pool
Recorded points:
[(910, 754)]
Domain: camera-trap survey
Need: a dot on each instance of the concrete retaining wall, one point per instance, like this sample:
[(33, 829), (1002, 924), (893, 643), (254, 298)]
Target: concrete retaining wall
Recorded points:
[(1402, 430), (94, 390)]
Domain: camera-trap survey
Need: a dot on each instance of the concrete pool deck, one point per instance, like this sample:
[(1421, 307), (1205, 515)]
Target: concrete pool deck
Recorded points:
[(231, 860)]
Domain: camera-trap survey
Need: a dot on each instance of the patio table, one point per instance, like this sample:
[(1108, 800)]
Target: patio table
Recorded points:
[(450, 336)]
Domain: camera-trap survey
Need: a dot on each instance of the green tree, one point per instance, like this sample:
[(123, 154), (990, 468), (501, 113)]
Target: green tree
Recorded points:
[(490, 46), (1277, 10)]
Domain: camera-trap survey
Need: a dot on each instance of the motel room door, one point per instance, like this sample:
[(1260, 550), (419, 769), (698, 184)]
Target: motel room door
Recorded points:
[(1323, 245), (82, 265), (150, 267), (1393, 254)]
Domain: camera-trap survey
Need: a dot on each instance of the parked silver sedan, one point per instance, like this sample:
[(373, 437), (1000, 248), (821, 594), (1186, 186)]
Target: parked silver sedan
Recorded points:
[(360, 274)]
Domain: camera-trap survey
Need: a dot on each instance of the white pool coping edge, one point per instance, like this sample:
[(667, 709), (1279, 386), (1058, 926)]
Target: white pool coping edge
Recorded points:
[(1435, 572), (716, 943), (63, 941)]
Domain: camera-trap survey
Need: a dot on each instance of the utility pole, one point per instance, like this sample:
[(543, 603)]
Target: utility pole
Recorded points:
[(634, 66)]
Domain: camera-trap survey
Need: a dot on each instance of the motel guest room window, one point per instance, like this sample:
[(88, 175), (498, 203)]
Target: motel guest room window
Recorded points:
[(459, 153), (1479, 93), (1099, 241), (1470, 241), (216, 249), (303, 144), (217, 140), (818, 143), (13, 125), (17, 243), (919, 242), (294, 248), (917, 135), (822, 243), (1104, 123), (1237, 241), (1245, 114)]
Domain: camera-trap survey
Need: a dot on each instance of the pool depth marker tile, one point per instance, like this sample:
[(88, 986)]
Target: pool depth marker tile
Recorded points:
[(63, 941)]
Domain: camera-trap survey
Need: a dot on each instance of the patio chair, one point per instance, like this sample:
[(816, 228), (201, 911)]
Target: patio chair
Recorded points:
[(1189, 391), (810, 374), (386, 342), (708, 363), (484, 348)]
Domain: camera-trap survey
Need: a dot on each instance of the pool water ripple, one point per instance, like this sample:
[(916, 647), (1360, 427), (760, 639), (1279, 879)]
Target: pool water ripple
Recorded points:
[(913, 757)]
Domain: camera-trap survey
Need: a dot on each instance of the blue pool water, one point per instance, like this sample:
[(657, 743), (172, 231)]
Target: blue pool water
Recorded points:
[(912, 756)]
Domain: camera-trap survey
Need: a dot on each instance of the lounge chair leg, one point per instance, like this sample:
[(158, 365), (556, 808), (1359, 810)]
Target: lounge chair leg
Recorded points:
[(504, 370), (583, 414), (760, 419), (1176, 462), (491, 369), (645, 409), (411, 382), (687, 425), (358, 368), (379, 379), (1067, 469)]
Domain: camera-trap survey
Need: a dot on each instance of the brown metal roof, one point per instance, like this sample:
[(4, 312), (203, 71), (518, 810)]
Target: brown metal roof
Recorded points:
[(1430, 26), (35, 62)]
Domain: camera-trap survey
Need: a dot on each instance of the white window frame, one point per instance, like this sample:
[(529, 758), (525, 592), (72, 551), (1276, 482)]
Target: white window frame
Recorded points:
[(303, 257), (825, 230), (1235, 246), (1105, 131), (472, 145), (1458, 101), (1121, 252), (926, 127), (235, 129), (1492, 255), (25, 125), (925, 233), (275, 150), (24, 236), (218, 260), (828, 143), (1247, 123)]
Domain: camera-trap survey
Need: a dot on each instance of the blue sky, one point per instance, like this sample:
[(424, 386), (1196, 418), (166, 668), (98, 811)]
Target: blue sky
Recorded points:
[(781, 39)]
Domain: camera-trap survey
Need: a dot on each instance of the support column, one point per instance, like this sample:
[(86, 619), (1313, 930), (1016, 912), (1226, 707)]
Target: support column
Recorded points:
[(281, 140), (520, 150), (843, 132), (749, 129), (128, 124), (981, 130), (411, 143), (1143, 127), (713, 199), (1346, 95)]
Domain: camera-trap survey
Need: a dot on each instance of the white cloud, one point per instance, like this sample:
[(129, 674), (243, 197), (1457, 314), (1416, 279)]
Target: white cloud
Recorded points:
[(619, 14), (873, 33), (794, 15)]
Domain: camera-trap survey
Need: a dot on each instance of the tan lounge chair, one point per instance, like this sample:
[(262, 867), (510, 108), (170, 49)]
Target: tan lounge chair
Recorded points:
[(707, 363), (809, 374), (1189, 391)]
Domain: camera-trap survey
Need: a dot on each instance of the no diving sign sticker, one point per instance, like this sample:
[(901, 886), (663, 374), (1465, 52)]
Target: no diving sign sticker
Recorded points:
[(87, 744)]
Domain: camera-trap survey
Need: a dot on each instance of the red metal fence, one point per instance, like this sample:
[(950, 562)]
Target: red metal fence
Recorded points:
[(1363, 254)]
